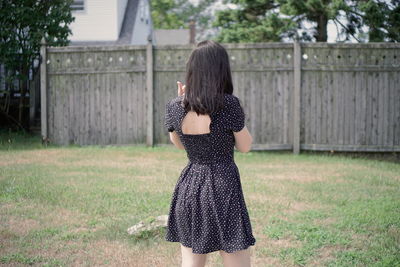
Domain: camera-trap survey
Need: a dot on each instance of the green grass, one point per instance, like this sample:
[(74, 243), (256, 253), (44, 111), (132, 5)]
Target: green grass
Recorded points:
[(68, 206)]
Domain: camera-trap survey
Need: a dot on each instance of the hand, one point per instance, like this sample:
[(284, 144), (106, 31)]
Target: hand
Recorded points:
[(181, 88)]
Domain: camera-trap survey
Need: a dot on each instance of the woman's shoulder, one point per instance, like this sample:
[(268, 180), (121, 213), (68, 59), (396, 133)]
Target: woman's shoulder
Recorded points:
[(235, 118), (176, 99), (231, 101), (172, 112), (231, 97), (175, 102)]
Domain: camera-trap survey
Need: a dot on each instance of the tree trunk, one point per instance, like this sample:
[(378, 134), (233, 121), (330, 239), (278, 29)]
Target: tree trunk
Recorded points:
[(22, 89), (322, 28)]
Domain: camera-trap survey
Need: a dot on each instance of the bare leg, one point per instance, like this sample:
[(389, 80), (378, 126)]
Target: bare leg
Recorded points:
[(190, 259), (239, 258)]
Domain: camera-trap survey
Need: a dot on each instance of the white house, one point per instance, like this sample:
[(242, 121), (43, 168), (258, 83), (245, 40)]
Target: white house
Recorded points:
[(111, 22)]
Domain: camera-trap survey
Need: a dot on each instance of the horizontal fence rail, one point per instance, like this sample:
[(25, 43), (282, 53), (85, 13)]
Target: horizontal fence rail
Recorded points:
[(301, 96)]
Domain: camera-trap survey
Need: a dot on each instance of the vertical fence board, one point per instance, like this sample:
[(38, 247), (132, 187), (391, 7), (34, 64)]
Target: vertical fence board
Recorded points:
[(391, 110), (264, 108), (297, 97), (65, 106), (374, 107)]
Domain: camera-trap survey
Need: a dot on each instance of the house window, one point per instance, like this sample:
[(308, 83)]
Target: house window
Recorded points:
[(78, 5)]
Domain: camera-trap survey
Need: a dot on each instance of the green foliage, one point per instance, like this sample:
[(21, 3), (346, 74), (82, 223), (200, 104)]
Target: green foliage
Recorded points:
[(252, 30), (23, 25), (267, 20), (175, 14), (162, 16), (382, 18)]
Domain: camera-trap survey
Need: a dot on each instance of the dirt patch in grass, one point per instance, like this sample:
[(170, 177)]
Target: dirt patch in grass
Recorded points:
[(49, 216), (297, 206), (284, 243), (282, 204), (21, 226), (48, 156), (325, 221), (115, 253), (394, 232), (113, 161), (66, 158), (16, 224), (324, 255), (266, 261), (301, 176), (61, 216), (306, 172), (105, 253), (359, 240), (266, 198), (260, 256)]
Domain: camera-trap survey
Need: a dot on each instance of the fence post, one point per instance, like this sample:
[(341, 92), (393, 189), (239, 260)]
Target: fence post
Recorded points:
[(296, 96), (149, 84), (43, 90)]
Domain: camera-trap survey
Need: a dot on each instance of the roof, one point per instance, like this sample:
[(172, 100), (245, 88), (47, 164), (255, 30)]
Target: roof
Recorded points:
[(125, 35)]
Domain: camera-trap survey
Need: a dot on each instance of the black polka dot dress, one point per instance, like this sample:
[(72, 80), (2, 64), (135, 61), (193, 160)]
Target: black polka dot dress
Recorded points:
[(208, 211)]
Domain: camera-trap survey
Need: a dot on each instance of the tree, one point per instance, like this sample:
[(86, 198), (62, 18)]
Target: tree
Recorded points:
[(381, 17), (275, 20), (175, 14), (164, 15), (23, 24)]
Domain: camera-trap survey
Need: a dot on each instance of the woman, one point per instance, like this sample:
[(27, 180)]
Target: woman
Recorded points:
[(208, 211)]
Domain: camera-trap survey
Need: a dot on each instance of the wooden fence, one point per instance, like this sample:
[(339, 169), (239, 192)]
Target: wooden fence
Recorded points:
[(296, 96)]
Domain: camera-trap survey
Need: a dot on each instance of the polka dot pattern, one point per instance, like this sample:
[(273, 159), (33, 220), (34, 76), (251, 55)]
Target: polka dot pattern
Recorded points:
[(208, 211)]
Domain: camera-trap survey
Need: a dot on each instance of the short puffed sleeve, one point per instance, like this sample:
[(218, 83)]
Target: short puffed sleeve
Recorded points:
[(237, 116), (169, 118)]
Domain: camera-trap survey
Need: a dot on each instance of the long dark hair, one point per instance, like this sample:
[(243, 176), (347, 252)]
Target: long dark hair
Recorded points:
[(208, 78)]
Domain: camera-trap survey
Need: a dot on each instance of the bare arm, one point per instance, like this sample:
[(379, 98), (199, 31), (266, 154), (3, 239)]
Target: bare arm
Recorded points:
[(243, 140), (174, 137)]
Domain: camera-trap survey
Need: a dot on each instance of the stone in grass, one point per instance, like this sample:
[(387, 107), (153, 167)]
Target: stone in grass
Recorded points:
[(148, 224)]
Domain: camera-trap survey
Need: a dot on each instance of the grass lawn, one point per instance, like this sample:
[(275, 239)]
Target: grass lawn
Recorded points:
[(71, 206)]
